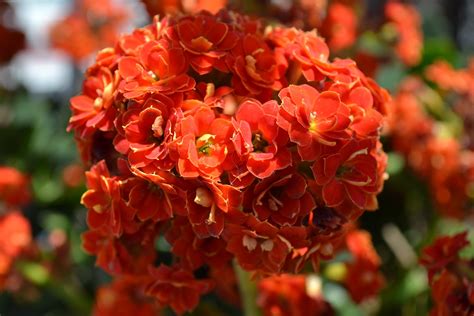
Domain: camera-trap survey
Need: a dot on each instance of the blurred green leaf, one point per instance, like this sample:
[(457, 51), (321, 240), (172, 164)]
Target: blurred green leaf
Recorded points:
[(413, 283), (390, 75), (340, 300), (396, 163), (33, 272)]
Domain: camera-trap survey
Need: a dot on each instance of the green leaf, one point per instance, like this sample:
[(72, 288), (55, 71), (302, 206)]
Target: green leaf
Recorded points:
[(33, 272), (340, 300), (396, 162)]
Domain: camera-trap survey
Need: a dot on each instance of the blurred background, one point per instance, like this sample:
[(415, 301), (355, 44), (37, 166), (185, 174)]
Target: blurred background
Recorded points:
[(46, 45)]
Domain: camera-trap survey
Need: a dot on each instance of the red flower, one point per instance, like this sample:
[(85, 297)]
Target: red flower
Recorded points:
[(92, 25), (282, 199), (295, 295), (407, 22), (95, 108), (203, 144), (452, 295), (259, 140), (366, 121), (345, 71), (448, 78), (363, 279), (443, 251), (169, 189), (313, 119), (205, 40), (257, 69), (129, 254), (311, 54), (262, 247), (176, 287), (124, 296), (208, 203), (340, 26), (193, 251), (148, 131), (75, 26), (14, 187), (15, 236), (348, 173), (149, 200), (450, 276), (159, 68), (107, 209)]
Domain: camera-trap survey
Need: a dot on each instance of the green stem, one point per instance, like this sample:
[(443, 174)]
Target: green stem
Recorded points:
[(248, 291)]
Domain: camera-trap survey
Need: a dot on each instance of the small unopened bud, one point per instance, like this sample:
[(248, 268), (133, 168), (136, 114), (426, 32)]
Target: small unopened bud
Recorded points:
[(203, 197)]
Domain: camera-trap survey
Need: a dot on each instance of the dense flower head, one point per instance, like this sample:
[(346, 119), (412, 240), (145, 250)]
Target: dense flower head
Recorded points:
[(450, 275), (229, 139)]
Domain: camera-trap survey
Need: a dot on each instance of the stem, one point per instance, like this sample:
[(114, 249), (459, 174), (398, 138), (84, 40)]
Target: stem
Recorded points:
[(248, 291)]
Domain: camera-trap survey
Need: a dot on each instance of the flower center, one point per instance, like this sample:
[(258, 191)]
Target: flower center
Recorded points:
[(273, 203), (259, 143), (204, 144), (313, 126), (342, 170), (157, 127)]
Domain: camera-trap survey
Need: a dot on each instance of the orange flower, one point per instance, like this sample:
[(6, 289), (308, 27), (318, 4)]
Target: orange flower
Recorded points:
[(15, 236), (340, 26), (450, 276), (14, 187), (123, 297), (295, 295), (407, 23), (92, 26), (176, 287), (364, 280)]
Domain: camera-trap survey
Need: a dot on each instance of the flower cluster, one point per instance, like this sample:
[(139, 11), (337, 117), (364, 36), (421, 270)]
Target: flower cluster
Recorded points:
[(443, 162), (15, 230), (93, 25), (457, 85), (230, 140), (406, 21), (450, 276)]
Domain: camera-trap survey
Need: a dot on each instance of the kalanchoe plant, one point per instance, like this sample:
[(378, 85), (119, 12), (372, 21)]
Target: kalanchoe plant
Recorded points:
[(230, 138)]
